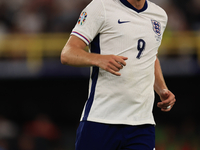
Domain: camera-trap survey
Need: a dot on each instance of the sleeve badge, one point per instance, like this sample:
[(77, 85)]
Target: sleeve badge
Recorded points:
[(82, 18)]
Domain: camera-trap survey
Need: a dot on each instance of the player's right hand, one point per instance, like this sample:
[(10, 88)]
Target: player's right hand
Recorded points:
[(112, 63)]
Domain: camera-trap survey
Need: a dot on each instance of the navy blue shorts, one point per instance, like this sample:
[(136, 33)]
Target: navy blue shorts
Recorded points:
[(98, 136)]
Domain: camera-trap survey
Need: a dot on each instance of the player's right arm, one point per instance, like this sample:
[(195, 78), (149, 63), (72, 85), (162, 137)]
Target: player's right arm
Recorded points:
[(73, 54)]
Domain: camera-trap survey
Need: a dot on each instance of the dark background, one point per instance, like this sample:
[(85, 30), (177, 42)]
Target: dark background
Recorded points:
[(63, 99)]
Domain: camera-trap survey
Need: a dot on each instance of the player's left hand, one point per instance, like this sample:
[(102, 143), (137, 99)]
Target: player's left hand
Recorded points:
[(167, 100)]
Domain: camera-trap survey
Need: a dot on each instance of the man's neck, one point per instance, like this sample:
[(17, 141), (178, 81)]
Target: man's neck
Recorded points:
[(138, 4)]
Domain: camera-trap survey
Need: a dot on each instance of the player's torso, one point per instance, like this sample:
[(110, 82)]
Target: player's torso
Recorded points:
[(127, 99)]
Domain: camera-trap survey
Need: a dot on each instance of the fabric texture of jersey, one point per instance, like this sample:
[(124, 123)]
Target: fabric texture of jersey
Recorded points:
[(116, 27)]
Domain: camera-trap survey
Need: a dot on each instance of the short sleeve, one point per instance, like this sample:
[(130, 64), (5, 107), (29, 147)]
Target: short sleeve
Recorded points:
[(90, 21)]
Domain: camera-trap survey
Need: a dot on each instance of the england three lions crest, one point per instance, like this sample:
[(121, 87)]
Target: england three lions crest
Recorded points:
[(156, 27)]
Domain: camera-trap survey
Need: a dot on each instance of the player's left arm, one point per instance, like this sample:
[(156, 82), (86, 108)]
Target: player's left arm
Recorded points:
[(166, 96)]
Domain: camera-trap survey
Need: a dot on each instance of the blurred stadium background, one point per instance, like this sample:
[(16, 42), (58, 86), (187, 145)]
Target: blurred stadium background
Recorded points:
[(41, 100)]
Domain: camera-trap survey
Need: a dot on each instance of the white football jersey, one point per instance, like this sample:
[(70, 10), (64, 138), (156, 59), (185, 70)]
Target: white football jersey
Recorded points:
[(116, 27)]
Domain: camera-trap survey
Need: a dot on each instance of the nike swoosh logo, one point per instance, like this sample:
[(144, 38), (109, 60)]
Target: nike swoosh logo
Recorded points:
[(120, 22)]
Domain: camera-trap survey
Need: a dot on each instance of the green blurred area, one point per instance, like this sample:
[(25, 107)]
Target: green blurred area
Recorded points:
[(43, 45)]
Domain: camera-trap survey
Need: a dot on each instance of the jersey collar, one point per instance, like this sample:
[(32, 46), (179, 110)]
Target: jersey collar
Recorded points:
[(127, 4)]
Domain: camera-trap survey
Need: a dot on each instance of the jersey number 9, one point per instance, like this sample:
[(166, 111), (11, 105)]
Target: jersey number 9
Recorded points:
[(140, 47)]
